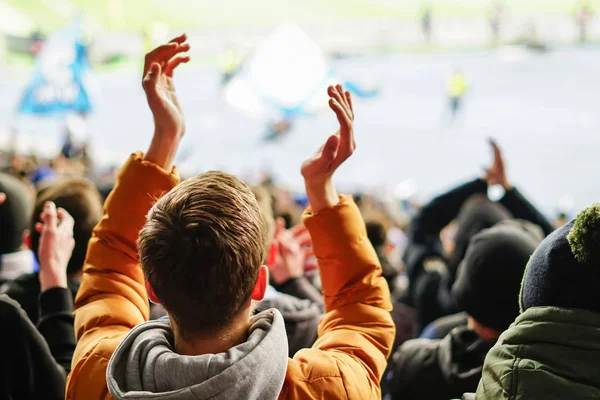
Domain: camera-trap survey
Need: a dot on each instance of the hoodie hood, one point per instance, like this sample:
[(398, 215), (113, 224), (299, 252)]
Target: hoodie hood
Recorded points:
[(461, 355), (146, 366)]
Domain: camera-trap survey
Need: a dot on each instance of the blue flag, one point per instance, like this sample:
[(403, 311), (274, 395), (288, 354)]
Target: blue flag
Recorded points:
[(59, 78)]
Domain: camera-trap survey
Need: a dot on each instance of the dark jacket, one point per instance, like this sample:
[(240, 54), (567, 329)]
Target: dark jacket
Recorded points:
[(25, 290), (548, 353), (35, 362), (429, 292), (438, 369)]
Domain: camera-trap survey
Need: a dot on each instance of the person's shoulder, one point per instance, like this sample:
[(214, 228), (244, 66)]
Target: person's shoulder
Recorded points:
[(24, 283), (291, 307), (8, 307), (418, 352), (416, 370)]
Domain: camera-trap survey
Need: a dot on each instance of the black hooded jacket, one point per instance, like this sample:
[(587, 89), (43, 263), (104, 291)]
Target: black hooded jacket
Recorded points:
[(429, 292), (438, 369), (36, 361)]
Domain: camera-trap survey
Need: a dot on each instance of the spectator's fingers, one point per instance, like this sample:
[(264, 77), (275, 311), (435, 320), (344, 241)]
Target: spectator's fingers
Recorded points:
[(338, 95), (179, 39), (66, 221), (304, 239), (50, 216), (174, 62), (308, 252), (342, 96), (298, 229), (162, 54), (341, 115), (349, 100)]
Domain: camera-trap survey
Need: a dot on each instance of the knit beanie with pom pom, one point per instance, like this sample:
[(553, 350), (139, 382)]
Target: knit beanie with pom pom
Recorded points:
[(564, 271)]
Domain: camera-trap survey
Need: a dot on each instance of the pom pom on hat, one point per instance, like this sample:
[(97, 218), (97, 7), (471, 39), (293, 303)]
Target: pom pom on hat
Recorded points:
[(584, 237)]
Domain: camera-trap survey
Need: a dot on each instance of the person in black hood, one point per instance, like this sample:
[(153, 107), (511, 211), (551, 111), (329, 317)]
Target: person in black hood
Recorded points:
[(36, 359), (431, 270), (15, 210), (487, 287), (81, 200)]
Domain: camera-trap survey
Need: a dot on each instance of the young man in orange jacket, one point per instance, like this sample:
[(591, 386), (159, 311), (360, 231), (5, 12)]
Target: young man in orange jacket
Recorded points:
[(199, 251)]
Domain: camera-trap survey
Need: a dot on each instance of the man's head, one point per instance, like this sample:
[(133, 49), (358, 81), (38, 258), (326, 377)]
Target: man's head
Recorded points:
[(202, 249), (476, 214), (489, 278), (81, 200), (15, 213)]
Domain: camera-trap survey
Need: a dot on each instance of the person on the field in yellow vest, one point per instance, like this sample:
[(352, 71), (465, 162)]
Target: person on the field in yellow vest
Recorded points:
[(457, 88)]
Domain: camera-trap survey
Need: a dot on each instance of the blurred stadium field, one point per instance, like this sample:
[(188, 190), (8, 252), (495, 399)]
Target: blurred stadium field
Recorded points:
[(132, 15)]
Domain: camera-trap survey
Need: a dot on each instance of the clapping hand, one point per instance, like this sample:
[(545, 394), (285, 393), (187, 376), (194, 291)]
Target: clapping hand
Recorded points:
[(169, 124), (319, 168), (496, 173)]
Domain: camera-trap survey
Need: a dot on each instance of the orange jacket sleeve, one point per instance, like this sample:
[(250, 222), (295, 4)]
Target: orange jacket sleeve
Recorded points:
[(357, 332), (112, 297)]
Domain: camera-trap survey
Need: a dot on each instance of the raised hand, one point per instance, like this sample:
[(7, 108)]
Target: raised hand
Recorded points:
[(55, 247), (302, 236), (496, 173), (169, 124), (319, 168), (291, 255)]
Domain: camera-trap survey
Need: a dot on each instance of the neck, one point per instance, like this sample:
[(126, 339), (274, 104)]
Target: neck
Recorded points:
[(214, 342)]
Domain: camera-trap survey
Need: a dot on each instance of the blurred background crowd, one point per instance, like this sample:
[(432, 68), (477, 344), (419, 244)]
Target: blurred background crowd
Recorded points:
[(433, 80)]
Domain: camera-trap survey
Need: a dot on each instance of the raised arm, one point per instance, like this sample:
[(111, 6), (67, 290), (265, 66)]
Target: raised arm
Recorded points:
[(513, 199), (357, 332), (112, 298), (56, 302)]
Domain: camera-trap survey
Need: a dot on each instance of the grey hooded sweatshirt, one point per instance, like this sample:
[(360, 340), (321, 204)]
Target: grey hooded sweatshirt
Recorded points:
[(146, 366)]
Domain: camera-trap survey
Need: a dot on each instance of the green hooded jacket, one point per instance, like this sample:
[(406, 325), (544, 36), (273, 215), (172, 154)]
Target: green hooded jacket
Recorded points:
[(547, 353)]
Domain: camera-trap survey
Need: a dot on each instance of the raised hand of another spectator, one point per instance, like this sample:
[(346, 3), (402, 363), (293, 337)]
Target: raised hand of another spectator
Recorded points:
[(169, 124), (55, 247), (302, 236), (496, 173), (318, 169), (291, 254)]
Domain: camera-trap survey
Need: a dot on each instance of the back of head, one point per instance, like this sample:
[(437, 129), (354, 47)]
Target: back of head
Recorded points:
[(564, 271), (83, 202), (15, 213), (489, 277), (201, 249), (477, 213), (265, 204)]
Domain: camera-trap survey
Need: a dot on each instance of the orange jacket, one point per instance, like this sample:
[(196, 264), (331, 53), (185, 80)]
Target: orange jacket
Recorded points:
[(355, 336)]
